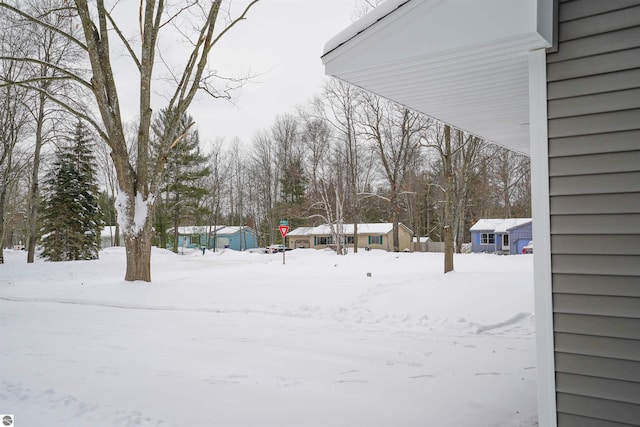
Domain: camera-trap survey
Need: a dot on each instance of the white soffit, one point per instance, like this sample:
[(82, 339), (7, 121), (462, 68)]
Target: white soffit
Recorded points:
[(464, 62)]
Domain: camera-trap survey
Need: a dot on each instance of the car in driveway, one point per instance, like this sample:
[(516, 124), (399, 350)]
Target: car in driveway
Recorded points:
[(277, 248), (528, 249), (257, 250)]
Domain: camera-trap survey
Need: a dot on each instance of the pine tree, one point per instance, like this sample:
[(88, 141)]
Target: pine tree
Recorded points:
[(293, 182), (182, 180), (72, 220)]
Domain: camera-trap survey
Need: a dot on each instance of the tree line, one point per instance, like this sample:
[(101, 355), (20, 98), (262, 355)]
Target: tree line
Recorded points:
[(345, 157), (349, 156)]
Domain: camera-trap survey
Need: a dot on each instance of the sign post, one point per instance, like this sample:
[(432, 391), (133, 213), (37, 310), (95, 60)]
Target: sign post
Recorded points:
[(284, 229)]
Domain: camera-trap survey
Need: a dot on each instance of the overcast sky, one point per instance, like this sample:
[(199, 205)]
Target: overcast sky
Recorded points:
[(282, 40)]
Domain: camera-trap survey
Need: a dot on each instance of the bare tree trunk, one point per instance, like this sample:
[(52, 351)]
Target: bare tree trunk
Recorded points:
[(176, 224), (34, 194), (3, 196), (355, 234), (448, 206), (138, 250), (116, 238), (215, 234), (136, 220), (396, 210)]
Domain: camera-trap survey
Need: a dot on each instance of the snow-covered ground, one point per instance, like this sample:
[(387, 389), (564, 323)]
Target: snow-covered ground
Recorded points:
[(239, 339)]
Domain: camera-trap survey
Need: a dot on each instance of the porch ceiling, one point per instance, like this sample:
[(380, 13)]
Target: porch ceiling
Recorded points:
[(464, 62)]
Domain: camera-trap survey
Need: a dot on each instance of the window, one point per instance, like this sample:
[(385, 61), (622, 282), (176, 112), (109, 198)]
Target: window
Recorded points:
[(325, 240), (375, 240), (487, 238), (349, 240)]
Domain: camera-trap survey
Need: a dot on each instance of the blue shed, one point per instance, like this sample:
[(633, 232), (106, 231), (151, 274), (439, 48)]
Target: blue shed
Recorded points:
[(506, 236), (191, 236), (237, 238)]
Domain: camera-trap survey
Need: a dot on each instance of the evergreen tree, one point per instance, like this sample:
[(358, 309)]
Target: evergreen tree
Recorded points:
[(72, 220), (293, 182), (182, 184)]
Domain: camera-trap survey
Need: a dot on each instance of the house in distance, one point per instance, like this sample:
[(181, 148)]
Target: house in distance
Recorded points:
[(373, 236), (237, 238), (504, 236)]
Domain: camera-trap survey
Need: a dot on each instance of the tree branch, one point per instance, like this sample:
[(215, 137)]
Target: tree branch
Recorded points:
[(178, 13), (186, 91), (68, 108), (124, 40), (66, 72), (43, 24)]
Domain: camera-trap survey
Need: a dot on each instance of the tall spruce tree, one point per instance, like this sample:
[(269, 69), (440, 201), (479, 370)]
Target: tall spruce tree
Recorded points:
[(293, 182), (72, 218), (182, 184)]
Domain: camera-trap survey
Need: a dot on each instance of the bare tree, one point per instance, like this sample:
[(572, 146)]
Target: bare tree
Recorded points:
[(329, 197), (509, 171), (316, 138), (439, 138), (109, 182), (216, 183), (139, 175), (14, 121), (465, 166), (53, 52), (237, 182), (343, 103), (265, 176), (395, 132)]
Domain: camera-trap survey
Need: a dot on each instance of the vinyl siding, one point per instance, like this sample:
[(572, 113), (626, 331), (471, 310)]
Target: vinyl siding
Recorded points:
[(520, 237), (594, 186), (477, 246)]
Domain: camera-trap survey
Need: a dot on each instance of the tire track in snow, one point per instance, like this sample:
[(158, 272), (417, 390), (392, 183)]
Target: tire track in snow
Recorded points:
[(353, 314)]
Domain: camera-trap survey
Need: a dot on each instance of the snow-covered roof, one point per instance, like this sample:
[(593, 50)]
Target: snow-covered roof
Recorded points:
[(301, 231), (325, 229), (510, 223), (197, 229), (498, 225), (233, 229), (486, 224), (421, 239), (362, 24)]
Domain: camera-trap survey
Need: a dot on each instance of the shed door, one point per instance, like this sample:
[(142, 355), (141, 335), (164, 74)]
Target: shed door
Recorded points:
[(505, 242)]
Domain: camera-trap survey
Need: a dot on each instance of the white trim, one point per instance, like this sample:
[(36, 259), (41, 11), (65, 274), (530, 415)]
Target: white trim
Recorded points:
[(505, 247), (542, 236), (472, 75)]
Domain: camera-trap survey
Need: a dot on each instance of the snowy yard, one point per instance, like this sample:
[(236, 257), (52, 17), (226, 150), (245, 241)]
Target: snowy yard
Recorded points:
[(238, 339)]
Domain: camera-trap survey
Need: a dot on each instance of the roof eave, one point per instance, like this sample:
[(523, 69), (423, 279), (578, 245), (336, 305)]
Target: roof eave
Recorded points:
[(472, 75)]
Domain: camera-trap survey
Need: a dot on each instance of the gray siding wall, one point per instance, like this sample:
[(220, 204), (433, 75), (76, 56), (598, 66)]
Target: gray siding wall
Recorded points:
[(594, 186)]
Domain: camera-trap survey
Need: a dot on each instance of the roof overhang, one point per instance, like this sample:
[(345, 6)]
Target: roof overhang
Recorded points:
[(464, 62)]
